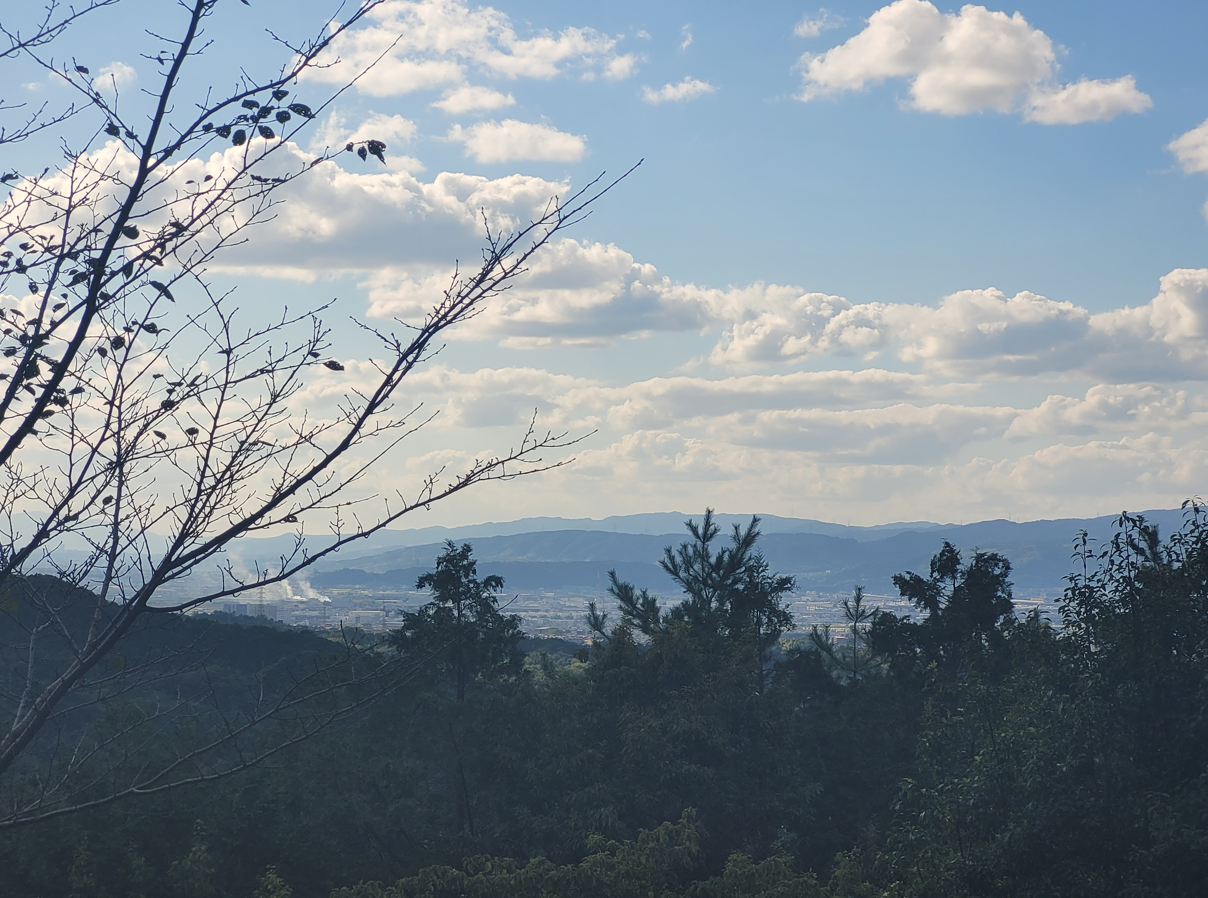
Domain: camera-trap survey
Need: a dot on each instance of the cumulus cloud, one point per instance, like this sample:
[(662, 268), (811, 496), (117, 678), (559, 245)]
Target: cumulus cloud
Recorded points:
[(1086, 101), (512, 140), (592, 294), (1191, 149), (688, 89), (492, 397), (1145, 471), (667, 402), (620, 67), (1165, 338), (401, 235), (336, 221), (1110, 408), (770, 323), (975, 332), (409, 46), (975, 60), (661, 403), (469, 98), (897, 434), (814, 25), (872, 414), (393, 130), (504, 397), (115, 76), (685, 37), (981, 330), (573, 294)]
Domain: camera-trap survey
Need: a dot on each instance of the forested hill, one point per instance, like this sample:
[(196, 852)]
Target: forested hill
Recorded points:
[(828, 558)]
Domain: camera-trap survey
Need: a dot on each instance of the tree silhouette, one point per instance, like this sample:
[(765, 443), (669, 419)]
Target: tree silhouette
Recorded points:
[(144, 426), (461, 634)]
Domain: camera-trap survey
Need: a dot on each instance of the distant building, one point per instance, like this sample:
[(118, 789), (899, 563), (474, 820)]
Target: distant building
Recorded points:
[(257, 609)]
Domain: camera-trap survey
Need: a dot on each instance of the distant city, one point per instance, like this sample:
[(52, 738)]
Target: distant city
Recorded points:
[(553, 568)]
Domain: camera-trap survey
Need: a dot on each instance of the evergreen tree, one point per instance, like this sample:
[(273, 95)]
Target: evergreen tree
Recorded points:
[(461, 634)]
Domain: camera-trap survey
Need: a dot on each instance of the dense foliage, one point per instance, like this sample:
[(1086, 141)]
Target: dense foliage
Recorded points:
[(692, 750)]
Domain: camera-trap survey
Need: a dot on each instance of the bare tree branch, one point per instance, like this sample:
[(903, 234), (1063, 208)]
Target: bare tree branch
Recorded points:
[(144, 428)]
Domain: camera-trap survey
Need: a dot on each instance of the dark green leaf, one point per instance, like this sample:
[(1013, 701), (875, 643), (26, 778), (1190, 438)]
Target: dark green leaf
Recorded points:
[(163, 288)]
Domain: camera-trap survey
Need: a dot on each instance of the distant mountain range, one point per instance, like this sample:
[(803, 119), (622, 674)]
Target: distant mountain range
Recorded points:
[(555, 554)]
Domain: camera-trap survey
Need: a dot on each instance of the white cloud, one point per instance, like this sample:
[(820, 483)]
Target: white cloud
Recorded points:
[(1191, 149), (1147, 471), (401, 235), (117, 75), (1165, 338), (491, 397), (392, 77), (688, 89), (685, 37), (763, 443), (502, 397), (512, 140), (985, 330), (667, 402), (812, 26), (769, 323), (573, 294), (976, 60), (471, 97), (1086, 101), (939, 433), (621, 67), (392, 130), (677, 470), (976, 332), (431, 43), (369, 219), (1110, 408), (896, 434), (592, 294)]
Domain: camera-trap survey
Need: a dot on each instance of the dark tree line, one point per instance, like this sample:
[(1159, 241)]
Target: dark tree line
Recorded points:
[(692, 750)]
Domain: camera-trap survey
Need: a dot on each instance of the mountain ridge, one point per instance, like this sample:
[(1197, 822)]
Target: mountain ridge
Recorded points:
[(1040, 552)]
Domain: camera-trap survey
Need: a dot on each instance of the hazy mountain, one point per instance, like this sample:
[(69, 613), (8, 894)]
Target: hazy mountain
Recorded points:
[(648, 524), (827, 558)]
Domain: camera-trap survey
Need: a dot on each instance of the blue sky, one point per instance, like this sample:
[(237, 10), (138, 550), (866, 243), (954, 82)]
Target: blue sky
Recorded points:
[(881, 262)]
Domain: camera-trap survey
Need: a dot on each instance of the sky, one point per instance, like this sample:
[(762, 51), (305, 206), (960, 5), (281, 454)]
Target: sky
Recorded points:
[(879, 262)]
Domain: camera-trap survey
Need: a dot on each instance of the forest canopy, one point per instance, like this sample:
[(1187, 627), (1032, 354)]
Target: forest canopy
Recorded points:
[(959, 750)]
